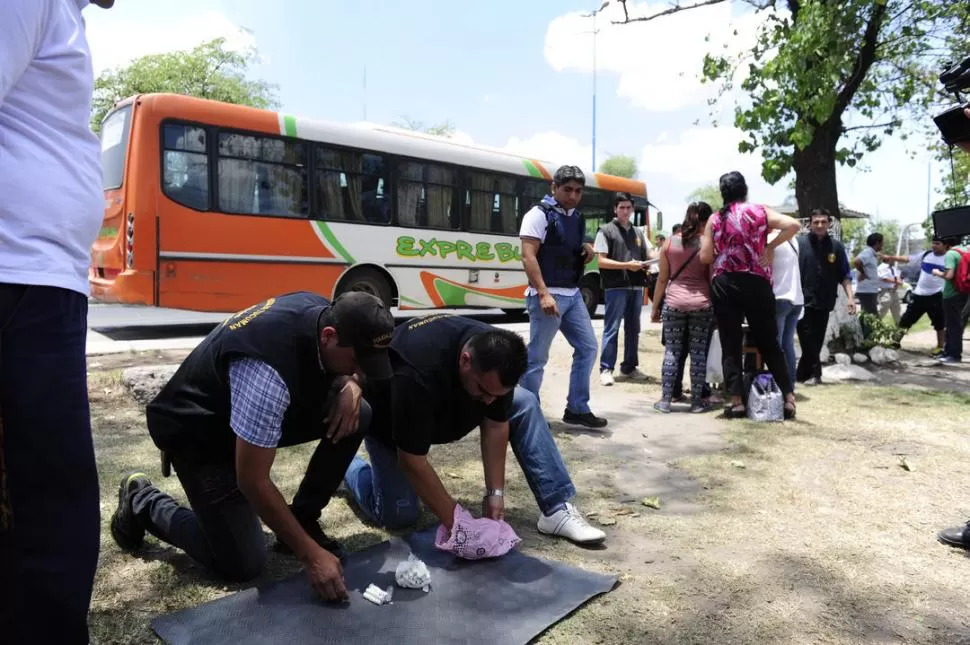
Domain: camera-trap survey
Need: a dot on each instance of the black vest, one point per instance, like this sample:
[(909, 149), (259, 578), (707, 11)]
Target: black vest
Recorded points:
[(560, 255), (823, 265), (624, 244), (190, 416)]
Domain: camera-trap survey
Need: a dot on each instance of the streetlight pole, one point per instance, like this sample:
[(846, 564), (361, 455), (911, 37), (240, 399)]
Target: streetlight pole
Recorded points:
[(594, 14)]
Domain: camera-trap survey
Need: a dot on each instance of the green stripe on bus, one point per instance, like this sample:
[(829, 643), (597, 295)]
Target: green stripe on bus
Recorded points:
[(531, 167), (289, 126), (334, 243)]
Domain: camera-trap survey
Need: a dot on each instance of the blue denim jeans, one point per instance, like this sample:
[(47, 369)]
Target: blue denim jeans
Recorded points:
[(786, 315), (574, 323), (386, 497), (622, 306), (49, 552)]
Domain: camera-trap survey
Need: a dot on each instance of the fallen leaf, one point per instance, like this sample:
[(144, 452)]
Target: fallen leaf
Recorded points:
[(651, 502), (644, 435), (904, 464), (738, 464), (623, 511), (607, 521), (454, 475)]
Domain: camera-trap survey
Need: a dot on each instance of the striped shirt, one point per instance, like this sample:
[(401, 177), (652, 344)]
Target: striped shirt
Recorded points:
[(259, 399)]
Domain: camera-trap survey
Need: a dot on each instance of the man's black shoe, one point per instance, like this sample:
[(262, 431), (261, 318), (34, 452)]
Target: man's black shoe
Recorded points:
[(125, 529), (314, 531), (587, 419), (956, 536)]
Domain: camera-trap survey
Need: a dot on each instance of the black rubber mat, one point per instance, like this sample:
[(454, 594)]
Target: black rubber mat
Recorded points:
[(505, 601)]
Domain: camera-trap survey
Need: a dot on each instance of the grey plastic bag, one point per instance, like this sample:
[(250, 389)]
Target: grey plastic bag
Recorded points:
[(765, 400)]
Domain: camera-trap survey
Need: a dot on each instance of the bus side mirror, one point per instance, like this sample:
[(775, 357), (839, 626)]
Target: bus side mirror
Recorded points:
[(660, 220)]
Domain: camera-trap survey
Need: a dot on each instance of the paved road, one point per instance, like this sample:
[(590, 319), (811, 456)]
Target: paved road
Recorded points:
[(121, 328)]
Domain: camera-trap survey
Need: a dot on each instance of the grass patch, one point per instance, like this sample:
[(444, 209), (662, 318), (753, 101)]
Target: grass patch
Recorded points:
[(804, 532)]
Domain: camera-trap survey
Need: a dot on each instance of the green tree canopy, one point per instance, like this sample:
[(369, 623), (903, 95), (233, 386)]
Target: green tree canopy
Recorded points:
[(444, 129), (710, 194), (208, 71), (955, 190), (620, 166), (826, 79), (855, 232)]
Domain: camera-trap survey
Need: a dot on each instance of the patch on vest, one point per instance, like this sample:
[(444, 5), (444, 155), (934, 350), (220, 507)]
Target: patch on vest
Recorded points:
[(246, 316)]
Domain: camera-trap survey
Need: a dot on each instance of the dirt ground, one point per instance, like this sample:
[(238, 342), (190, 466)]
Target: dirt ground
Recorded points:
[(820, 530)]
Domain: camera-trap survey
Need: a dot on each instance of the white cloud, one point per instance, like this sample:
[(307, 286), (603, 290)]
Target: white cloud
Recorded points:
[(658, 62), (117, 39), (553, 147)]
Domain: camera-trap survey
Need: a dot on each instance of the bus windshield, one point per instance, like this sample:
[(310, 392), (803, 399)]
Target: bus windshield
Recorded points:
[(114, 146)]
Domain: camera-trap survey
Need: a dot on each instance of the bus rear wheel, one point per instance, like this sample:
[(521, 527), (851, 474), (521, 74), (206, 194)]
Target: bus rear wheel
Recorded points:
[(368, 281)]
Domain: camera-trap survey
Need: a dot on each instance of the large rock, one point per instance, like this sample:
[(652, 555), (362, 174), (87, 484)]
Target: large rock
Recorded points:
[(860, 358), (840, 373), (879, 355), (146, 381), (843, 359), (824, 355), (892, 356)]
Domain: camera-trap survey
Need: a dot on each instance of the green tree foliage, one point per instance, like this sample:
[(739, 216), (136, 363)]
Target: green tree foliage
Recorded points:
[(827, 79), (710, 194), (855, 232), (620, 166), (445, 129), (208, 71), (956, 178)]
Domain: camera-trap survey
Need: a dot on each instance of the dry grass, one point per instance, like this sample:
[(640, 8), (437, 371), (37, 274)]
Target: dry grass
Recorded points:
[(806, 532)]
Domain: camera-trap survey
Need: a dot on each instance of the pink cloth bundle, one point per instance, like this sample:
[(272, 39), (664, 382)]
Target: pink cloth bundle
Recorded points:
[(476, 539)]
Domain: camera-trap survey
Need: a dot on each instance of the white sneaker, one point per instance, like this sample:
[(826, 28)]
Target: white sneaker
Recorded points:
[(570, 524), (606, 378)]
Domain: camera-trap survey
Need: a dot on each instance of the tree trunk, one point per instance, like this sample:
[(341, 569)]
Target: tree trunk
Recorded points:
[(815, 179)]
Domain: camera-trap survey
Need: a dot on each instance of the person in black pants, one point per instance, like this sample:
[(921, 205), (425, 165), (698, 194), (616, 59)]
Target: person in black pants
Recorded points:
[(736, 242), (51, 207), (824, 265), (257, 383)]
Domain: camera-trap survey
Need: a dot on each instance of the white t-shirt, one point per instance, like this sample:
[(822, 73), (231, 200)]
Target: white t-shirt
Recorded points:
[(534, 225), (870, 264), (51, 196), (928, 284), (786, 275), (887, 272)]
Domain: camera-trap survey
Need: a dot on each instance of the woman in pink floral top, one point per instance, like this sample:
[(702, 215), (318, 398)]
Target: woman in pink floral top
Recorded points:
[(736, 243)]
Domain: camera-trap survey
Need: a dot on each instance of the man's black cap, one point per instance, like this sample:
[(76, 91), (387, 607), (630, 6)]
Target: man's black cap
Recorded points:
[(365, 323)]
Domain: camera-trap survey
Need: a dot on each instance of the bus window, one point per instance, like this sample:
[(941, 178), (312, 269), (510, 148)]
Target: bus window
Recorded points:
[(114, 147), (185, 165), (262, 175), (492, 204), (426, 195), (349, 186)]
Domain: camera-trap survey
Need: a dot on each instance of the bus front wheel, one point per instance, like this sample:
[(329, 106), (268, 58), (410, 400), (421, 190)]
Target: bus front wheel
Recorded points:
[(590, 289), (369, 281)]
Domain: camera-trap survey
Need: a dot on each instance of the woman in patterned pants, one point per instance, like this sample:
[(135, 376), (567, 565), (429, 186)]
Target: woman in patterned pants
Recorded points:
[(684, 288)]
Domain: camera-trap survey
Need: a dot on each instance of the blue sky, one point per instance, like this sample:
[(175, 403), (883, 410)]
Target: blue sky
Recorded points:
[(506, 74)]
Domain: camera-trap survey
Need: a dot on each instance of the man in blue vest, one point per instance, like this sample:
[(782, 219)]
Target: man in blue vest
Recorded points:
[(259, 382), (554, 252)]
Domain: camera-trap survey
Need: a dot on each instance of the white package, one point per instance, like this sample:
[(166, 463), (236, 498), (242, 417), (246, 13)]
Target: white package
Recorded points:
[(412, 574)]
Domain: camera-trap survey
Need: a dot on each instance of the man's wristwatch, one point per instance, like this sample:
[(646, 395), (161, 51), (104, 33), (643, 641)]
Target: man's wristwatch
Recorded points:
[(494, 492)]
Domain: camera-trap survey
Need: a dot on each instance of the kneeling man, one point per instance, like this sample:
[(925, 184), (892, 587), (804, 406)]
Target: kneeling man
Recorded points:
[(280, 373), (450, 375)]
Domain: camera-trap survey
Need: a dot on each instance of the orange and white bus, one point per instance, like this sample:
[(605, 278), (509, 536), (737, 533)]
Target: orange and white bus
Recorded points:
[(212, 207)]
